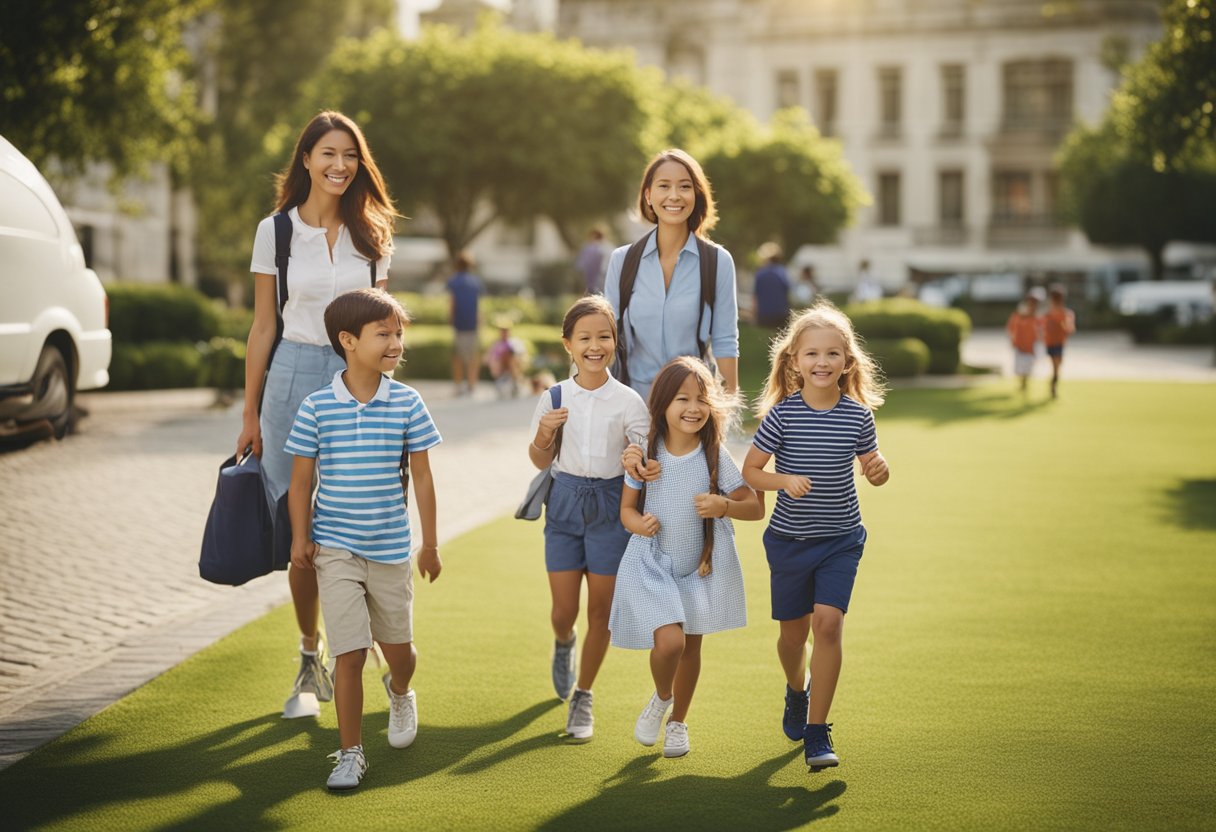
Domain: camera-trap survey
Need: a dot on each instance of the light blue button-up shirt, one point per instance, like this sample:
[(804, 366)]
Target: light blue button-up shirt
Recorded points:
[(661, 324)]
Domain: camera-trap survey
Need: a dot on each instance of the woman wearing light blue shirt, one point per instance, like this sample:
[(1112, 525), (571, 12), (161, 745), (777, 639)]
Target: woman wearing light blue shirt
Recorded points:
[(665, 316)]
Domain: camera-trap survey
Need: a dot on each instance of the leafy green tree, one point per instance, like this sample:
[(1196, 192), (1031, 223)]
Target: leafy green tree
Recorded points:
[(783, 182), (96, 80), (1118, 197), (1167, 99), (494, 125)]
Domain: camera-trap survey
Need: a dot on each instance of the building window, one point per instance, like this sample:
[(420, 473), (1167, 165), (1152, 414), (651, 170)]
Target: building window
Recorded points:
[(953, 108), (788, 92), (1011, 197), (888, 198), (826, 83), (950, 198), (1038, 95), (890, 93)]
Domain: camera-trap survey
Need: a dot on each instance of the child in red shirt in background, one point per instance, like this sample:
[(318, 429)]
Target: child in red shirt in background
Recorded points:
[(1023, 328), (1059, 322)]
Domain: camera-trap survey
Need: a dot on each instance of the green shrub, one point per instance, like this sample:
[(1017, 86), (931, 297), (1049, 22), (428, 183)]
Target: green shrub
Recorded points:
[(222, 364), (157, 365), (900, 358), (141, 313), (428, 350), (942, 330), (1159, 328)]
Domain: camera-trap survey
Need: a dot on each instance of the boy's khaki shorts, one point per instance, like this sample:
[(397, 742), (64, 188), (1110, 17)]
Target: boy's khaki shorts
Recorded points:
[(362, 600)]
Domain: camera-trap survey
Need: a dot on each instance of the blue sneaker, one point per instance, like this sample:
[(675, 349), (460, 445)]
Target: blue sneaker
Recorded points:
[(819, 753), (793, 723), (564, 667)]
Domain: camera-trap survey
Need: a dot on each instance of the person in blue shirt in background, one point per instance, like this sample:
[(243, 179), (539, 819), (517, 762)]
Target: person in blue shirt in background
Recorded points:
[(466, 289), (665, 313), (772, 288)]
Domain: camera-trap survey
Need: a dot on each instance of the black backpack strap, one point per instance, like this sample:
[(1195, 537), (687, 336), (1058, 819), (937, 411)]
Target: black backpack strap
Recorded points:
[(709, 289), (628, 277), (555, 398), (282, 254), (372, 263)]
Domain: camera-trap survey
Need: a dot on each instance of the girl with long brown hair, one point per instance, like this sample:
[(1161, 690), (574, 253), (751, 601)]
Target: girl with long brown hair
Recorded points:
[(680, 577)]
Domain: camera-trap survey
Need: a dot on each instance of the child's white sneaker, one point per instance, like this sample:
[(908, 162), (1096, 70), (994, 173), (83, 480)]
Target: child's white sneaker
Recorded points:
[(650, 721), (675, 743), (350, 767), (402, 715), (580, 722)]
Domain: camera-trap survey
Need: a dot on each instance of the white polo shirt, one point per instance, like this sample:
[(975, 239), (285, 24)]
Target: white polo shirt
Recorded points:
[(601, 423), (313, 279)]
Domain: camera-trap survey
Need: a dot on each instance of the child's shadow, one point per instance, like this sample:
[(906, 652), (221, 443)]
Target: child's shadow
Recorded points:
[(635, 799), (75, 777)]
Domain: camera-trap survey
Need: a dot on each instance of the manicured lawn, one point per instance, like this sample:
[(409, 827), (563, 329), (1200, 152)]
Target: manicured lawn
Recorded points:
[(1032, 645)]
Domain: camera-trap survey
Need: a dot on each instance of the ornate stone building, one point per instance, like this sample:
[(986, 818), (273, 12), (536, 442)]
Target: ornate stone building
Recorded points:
[(950, 111)]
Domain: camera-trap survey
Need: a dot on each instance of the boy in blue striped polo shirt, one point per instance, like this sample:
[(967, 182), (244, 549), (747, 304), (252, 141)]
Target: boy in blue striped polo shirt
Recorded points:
[(354, 434)]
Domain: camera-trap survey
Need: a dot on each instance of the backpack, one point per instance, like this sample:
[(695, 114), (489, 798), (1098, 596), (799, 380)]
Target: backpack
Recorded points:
[(537, 494), (708, 253), (282, 257)]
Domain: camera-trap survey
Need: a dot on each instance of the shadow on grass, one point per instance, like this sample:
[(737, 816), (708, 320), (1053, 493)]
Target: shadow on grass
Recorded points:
[(635, 798), (62, 783), (944, 407), (1191, 504)]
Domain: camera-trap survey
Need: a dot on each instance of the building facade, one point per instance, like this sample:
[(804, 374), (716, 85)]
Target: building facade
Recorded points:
[(949, 111)]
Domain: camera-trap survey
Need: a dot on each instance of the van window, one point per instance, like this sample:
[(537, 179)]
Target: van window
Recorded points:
[(20, 208)]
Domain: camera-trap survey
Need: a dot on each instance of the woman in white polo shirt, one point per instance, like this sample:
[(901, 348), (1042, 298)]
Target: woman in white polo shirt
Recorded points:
[(341, 223)]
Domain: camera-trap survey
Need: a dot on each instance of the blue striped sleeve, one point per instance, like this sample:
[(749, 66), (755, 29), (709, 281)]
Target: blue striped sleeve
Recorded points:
[(768, 435), (867, 436), (420, 431), (302, 441)]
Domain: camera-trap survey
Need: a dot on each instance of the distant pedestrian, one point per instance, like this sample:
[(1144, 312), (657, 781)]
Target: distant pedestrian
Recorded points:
[(816, 419), (1059, 323), (362, 556), (340, 221), (772, 288), (591, 260), (680, 577), (804, 292), (466, 289), (1023, 328), (583, 440), (667, 303), (867, 288), (507, 359)]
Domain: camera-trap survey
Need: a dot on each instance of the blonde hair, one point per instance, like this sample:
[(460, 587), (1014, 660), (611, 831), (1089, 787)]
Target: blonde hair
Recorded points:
[(860, 381)]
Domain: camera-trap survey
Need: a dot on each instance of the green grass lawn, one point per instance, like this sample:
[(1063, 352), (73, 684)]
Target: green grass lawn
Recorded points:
[(1032, 645)]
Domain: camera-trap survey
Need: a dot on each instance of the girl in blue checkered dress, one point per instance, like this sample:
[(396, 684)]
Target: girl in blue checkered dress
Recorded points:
[(680, 577)]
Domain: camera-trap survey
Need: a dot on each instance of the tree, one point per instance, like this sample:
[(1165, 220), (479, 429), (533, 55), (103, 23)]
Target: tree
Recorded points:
[(1146, 175), (783, 182), (1167, 99), (96, 80), (1117, 196), (494, 125)]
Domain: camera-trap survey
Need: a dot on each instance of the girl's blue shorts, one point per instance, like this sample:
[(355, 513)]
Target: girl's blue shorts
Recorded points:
[(583, 528), (812, 570)]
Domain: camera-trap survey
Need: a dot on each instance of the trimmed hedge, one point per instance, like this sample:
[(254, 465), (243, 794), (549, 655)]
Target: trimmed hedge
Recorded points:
[(428, 350), (942, 330), (901, 357), (142, 313), (434, 309), (161, 365)]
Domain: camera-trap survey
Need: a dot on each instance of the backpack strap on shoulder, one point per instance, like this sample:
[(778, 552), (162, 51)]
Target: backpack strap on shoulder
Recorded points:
[(282, 253), (628, 277), (709, 289), (555, 398), (372, 263)]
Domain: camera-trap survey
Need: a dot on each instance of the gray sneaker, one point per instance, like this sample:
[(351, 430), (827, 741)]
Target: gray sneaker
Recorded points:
[(580, 720), (563, 666), (312, 685), (402, 715), (350, 767)]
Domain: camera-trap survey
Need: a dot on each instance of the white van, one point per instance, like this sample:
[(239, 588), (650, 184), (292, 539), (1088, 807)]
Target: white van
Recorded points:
[(53, 310)]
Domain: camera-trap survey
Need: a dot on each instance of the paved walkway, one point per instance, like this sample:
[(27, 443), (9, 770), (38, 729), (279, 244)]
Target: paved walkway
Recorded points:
[(99, 534)]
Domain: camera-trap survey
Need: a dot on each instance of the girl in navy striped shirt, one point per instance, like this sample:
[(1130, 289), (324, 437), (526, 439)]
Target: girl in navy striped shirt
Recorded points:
[(817, 417)]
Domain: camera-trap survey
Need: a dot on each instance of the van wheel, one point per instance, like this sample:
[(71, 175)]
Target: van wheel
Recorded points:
[(53, 392)]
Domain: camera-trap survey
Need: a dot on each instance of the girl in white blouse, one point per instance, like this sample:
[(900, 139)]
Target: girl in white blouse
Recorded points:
[(341, 222)]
